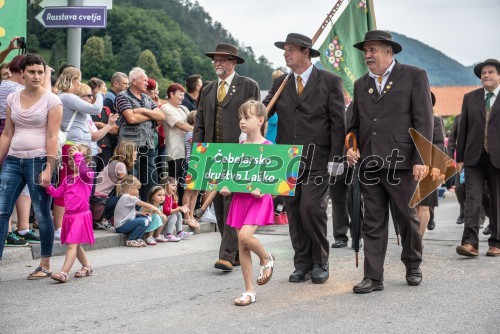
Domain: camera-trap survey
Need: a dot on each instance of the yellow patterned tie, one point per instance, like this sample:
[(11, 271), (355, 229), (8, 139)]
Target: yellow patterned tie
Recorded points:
[(379, 80), (300, 86), (221, 94), (487, 120)]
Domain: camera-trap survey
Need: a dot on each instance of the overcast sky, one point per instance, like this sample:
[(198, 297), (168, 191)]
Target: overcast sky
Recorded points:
[(465, 30)]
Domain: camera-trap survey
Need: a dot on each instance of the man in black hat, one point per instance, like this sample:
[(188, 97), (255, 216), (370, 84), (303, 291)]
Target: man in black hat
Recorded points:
[(389, 100), (311, 113), (478, 151), (217, 122)]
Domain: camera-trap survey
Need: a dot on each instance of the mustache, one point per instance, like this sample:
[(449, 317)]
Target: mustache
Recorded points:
[(368, 60)]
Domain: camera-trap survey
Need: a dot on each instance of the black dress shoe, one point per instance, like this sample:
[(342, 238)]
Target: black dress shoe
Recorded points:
[(320, 273), (487, 230), (431, 225), (413, 276), (460, 220), (368, 285), (339, 244), (299, 276)]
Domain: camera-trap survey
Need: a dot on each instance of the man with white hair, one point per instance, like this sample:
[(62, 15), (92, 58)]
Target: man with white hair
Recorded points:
[(139, 117)]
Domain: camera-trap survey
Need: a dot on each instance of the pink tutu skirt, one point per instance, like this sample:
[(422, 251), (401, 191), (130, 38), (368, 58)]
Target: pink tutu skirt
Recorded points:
[(247, 209), (77, 228)]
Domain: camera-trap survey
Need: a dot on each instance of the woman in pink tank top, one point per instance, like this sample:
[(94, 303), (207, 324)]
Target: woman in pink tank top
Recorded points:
[(28, 148)]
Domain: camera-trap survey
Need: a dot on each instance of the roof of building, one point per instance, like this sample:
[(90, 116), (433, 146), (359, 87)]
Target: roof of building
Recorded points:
[(449, 99)]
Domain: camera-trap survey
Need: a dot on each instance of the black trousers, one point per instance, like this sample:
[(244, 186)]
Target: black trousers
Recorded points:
[(307, 219), (475, 176), (377, 192), (229, 237)]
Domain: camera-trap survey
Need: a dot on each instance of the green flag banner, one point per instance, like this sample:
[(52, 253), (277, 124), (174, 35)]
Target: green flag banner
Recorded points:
[(337, 52), (12, 22), (273, 169)]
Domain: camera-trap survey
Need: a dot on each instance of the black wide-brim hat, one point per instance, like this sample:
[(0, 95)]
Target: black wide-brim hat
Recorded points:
[(299, 40), (227, 51), (479, 67), (381, 36)]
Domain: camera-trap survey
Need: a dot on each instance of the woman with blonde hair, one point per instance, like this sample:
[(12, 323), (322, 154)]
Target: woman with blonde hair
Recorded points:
[(120, 165), (75, 108)]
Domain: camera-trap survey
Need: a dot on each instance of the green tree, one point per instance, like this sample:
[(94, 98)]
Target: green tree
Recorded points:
[(147, 61), (129, 54), (172, 66), (92, 57)]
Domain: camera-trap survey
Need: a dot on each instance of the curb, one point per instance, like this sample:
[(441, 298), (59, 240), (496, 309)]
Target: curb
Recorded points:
[(103, 239)]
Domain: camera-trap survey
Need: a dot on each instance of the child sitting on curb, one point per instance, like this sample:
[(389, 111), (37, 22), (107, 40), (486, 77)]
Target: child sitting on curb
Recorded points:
[(126, 218), (173, 212)]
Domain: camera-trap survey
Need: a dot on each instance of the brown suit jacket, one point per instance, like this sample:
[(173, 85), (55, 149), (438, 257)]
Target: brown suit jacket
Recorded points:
[(471, 132), (242, 89), (314, 120), (381, 122)]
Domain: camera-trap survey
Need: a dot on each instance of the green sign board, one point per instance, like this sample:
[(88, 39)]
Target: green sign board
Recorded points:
[(273, 169), (12, 22)]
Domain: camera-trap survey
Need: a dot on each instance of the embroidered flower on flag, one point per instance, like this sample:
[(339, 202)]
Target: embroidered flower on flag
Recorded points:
[(335, 53), (362, 4)]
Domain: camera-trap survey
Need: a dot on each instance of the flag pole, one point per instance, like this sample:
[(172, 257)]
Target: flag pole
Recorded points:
[(314, 39)]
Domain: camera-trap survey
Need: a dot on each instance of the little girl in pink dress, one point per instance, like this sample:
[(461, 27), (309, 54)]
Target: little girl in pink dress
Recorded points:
[(75, 189), (249, 211)]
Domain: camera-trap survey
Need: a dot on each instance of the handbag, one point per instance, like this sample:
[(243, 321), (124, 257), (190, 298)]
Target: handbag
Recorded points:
[(97, 207), (62, 136)]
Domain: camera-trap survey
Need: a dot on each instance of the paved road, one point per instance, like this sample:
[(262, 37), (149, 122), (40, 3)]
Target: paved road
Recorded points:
[(174, 288)]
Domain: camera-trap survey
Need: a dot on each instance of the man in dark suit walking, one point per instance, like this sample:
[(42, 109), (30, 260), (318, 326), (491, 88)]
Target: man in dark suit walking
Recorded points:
[(478, 151), (311, 113), (217, 122), (388, 101)]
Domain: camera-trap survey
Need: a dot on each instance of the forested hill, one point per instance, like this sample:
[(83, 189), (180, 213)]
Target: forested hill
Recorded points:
[(441, 69), (168, 38)]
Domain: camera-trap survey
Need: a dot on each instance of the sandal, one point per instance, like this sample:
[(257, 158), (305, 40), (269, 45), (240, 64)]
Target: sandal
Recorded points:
[(132, 243), (270, 264), (243, 301), (85, 271), (35, 274), (193, 223), (60, 277)]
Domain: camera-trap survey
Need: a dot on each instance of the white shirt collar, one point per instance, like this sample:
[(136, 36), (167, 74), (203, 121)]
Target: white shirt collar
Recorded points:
[(228, 80), (386, 73), (495, 91), (305, 75)]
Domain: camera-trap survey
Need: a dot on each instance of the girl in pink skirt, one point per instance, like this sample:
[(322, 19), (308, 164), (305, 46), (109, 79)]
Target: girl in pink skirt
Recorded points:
[(249, 211), (75, 189)]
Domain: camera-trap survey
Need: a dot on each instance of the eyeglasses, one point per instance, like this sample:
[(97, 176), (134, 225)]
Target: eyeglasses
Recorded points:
[(221, 60), (90, 96)]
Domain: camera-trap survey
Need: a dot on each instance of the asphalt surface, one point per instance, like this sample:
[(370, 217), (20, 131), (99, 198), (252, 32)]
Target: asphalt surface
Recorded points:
[(173, 287)]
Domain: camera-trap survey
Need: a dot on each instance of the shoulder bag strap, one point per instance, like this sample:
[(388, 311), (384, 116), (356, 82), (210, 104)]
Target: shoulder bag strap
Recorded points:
[(71, 121)]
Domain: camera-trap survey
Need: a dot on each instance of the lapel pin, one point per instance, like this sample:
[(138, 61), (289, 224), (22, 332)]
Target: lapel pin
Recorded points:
[(390, 83), (370, 90), (388, 87)]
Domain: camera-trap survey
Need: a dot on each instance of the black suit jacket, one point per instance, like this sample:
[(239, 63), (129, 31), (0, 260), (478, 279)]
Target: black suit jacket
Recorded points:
[(381, 122), (471, 139), (241, 90), (438, 161), (314, 120), (453, 138)]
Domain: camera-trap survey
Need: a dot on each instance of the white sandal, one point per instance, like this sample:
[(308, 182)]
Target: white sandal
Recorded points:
[(242, 301), (268, 265)]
